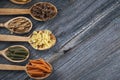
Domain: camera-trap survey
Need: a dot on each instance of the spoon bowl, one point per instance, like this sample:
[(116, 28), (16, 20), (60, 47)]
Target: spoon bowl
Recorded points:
[(20, 2), (8, 23), (46, 11), (39, 78), (3, 53), (44, 48)]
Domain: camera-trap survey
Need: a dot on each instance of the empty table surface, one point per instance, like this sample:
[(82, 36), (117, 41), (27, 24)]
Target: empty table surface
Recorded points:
[(87, 31)]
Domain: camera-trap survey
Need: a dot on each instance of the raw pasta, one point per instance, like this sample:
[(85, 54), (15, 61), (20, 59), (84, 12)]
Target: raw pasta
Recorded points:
[(42, 39)]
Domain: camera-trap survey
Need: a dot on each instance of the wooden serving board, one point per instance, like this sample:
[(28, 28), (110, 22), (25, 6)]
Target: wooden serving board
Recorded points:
[(92, 27)]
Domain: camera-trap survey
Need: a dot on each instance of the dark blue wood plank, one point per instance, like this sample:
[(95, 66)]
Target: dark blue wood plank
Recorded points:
[(96, 59)]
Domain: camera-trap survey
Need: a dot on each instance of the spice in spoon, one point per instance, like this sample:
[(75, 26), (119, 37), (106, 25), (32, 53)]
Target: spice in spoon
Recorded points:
[(20, 25), (42, 39), (38, 68), (17, 53), (43, 11)]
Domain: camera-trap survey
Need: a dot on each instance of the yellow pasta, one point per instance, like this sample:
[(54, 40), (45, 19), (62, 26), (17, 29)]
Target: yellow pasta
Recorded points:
[(42, 39)]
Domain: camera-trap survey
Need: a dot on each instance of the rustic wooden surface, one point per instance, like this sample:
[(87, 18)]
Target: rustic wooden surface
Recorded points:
[(88, 31)]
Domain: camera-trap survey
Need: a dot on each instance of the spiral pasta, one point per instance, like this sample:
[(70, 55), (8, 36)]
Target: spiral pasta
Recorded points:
[(42, 39)]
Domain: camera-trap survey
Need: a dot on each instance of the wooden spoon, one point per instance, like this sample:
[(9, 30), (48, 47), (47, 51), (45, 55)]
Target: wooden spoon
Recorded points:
[(48, 61), (6, 25), (24, 39), (3, 53), (16, 67), (43, 10), (20, 2)]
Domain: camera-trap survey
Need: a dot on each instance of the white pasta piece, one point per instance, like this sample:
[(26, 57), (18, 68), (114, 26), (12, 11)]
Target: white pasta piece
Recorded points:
[(47, 44)]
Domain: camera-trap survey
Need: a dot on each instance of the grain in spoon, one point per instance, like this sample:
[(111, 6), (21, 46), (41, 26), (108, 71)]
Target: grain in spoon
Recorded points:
[(18, 25), (40, 11)]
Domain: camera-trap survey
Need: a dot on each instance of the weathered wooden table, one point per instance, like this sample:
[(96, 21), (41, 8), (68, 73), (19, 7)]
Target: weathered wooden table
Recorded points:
[(87, 31)]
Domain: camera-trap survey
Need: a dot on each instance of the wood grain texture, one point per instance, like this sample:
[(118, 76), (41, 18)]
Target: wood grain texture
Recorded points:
[(13, 11), (88, 31)]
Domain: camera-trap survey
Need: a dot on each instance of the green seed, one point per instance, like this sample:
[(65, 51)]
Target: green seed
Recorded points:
[(16, 58), (21, 53), (16, 49)]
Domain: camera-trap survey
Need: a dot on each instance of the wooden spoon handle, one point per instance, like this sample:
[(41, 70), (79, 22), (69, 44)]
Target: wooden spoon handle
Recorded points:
[(6, 11), (1, 52), (11, 67), (2, 25), (13, 38)]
